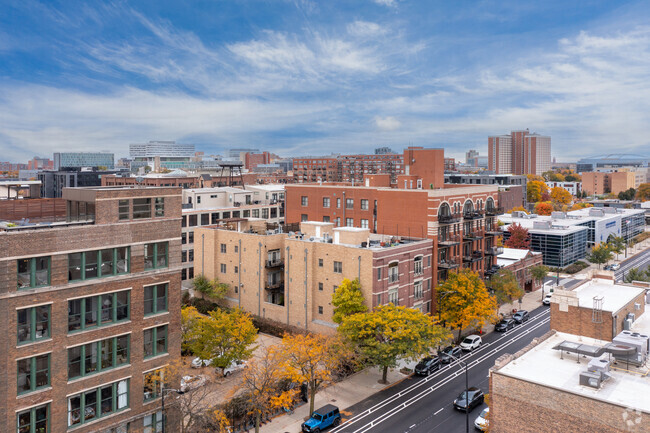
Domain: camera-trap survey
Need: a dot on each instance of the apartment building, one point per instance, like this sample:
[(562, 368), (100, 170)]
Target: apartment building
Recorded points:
[(585, 375), (574, 188), (346, 168), (508, 182), (89, 307), (519, 153), (601, 182), (520, 262), (209, 206), (290, 277)]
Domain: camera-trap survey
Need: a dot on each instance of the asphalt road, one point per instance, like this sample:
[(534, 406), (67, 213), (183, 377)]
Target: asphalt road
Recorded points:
[(424, 405), (641, 261)]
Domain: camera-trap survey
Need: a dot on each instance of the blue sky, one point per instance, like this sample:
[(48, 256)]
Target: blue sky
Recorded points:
[(314, 77)]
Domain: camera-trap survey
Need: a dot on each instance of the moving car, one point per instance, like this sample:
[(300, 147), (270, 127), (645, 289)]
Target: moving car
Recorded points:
[(521, 316), (450, 354), (471, 342), (547, 299), (505, 325), (427, 366), (482, 422), (236, 365), (321, 419), (468, 400), (198, 362)]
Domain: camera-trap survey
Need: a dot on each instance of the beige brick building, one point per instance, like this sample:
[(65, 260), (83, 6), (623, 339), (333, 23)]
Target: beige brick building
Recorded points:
[(87, 307), (290, 277)]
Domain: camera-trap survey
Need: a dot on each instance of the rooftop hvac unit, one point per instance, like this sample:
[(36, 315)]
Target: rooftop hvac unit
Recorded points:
[(596, 212), (558, 215), (631, 316), (627, 324), (599, 364), (591, 379)]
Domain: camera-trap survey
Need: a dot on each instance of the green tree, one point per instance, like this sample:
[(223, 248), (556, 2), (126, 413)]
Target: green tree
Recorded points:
[(223, 337), (627, 195), (540, 272), (518, 238), (213, 289), (634, 274), (347, 300), (600, 254), (464, 302), (616, 244), (506, 287), (390, 333)]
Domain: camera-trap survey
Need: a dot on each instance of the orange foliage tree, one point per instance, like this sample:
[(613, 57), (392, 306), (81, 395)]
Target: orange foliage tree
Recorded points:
[(543, 208), (519, 237), (560, 196)]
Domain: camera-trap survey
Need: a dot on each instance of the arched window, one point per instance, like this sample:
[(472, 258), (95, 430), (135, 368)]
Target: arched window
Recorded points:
[(468, 209)]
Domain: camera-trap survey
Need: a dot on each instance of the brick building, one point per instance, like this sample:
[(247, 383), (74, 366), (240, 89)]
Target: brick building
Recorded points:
[(89, 307), (347, 168), (519, 263), (600, 182), (585, 375), (290, 277), (253, 159), (519, 153)]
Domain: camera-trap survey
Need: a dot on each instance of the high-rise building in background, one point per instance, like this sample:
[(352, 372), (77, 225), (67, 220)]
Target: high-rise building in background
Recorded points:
[(161, 155), (473, 159), (519, 153), (469, 156), (83, 159)]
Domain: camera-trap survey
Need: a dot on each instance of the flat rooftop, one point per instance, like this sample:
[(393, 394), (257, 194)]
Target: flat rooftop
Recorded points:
[(559, 226), (615, 296)]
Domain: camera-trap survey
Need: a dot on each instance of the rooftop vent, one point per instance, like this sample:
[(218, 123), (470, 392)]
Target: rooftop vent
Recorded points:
[(558, 215)]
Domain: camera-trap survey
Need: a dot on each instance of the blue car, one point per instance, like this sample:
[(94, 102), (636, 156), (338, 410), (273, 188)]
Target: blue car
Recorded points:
[(322, 418)]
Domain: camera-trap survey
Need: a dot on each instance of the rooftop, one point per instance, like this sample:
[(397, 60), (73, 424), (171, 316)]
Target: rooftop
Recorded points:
[(615, 296)]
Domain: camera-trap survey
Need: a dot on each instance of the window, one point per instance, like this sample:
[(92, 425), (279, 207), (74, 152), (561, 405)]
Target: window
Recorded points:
[(378, 273), (304, 200), (183, 238), (123, 209), (205, 219), (364, 224), (214, 218), (223, 268), (223, 248), (193, 220), (326, 202), (338, 222), (159, 206), (265, 213), (303, 217), (393, 273), (236, 248), (33, 272), (99, 263), (338, 202), (33, 373), (226, 215), (98, 356), (34, 420), (320, 309), (320, 287), (255, 213), (155, 341), (326, 219), (417, 289), (33, 324), (97, 403), (393, 297), (153, 423), (198, 199), (141, 208), (86, 313), (364, 204), (153, 383), (338, 267), (236, 269), (320, 263), (349, 222), (184, 221), (183, 256), (417, 268), (349, 203), (190, 238), (155, 255), (190, 255), (155, 299)]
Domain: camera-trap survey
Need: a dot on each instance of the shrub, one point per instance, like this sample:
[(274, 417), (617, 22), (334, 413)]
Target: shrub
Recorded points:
[(272, 327), (204, 306)]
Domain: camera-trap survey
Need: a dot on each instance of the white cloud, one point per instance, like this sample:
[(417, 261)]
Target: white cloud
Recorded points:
[(388, 3), (388, 123), (365, 29)]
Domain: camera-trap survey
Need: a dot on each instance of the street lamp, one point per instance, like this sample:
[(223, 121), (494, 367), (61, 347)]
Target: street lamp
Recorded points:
[(163, 391), (466, 392)]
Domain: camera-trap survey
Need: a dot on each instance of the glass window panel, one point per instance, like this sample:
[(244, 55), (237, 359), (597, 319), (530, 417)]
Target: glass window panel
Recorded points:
[(123, 209), (161, 298), (74, 410), (42, 371), (24, 325), (74, 314), (122, 394), (107, 399), (161, 339), (107, 353), (24, 375), (41, 423), (42, 273), (74, 362), (24, 273), (149, 299), (107, 308), (91, 312), (90, 358), (122, 350), (107, 262), (141, 208), (148, 256), (148, 342), (161, 255), (90, 400), (42, 322), (74, 266), (24, 422), (160, 206), (122, 305), (91, 264), (122, 263)]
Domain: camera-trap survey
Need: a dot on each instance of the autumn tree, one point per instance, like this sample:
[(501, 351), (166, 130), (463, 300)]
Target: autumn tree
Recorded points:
[(223, 337), (311, 358), (211, 288), (534, 191), (535, 178), (519, 237), (581, 205), (543, 208), (572, 177), (517, 209), (347, 300), (189, 318), (262, 379), (391, 333), (600, 254), (560, 196), (505, 286), (643, 192), (464, 302)]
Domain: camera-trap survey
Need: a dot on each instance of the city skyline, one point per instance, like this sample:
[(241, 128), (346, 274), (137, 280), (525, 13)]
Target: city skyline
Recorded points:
[(304, 78)]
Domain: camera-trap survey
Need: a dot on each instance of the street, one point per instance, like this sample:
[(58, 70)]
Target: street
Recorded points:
[(424, 404), (640, 261)]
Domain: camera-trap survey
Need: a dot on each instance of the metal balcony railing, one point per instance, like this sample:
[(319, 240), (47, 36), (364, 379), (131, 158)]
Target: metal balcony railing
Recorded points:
[(448, 240), (449, 218), (393, 278), (476, 214), (448, 264), (493, 211), (273, 263), (494, 251)]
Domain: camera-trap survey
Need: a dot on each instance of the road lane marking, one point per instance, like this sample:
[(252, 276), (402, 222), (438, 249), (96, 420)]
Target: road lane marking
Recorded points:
[(436, 413)]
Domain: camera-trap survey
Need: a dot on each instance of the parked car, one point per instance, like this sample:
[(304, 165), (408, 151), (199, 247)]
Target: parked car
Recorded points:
[(547, 299), (521, 316), (615, 267), (198, 362), (471, 342), (190, 382), (482, 422), (469, 399), (450, 354), (607, 268), (427, 366), (234, 366), (505, 325), (322, 418)]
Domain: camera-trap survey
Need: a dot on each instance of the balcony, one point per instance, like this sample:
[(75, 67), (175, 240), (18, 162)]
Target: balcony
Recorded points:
[(274, 285), (493, 211), (477, 256), (493, 251), (449, 218), (473, 215), (187, 206), (393, 278), (448, 264), (473, 235), (274, 263), (448, 240)]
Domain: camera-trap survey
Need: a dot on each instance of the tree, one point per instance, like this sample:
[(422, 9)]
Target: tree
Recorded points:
[(390, 333), (600, 254), (560, 196), (223, 337), (634, 274), (572, 177), (517, 209), (534, 177), (581, 205), (643, 192), (540, 272), (543, 208), (262, 379), (518, 238), (348, 300), (464, 302), (311, 358), (534, 191), (627, 195), (506, 287), (616, 244), (213, 289), (189, 318)]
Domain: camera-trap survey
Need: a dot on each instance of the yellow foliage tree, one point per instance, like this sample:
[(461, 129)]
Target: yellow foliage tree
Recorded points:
[(535, 178), (560, 196), (535, 190), (347, 300), (517, 208), (189, 318), (581, 205), (464, 302)]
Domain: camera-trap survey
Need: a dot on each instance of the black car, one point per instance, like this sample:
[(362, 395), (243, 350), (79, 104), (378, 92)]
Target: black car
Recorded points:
[(427, 366), (450, 354), (473, 395), (521, 316), (505, 325)]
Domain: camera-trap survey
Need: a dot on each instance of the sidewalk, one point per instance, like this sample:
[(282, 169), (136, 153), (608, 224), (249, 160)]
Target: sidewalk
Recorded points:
[(342, 394)]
